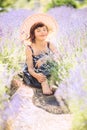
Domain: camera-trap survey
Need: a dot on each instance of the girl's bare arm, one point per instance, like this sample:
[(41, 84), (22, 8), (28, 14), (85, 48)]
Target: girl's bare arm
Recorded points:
[(39, 76)]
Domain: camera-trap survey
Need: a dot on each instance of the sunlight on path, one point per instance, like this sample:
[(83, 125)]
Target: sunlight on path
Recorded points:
[(26, 116)]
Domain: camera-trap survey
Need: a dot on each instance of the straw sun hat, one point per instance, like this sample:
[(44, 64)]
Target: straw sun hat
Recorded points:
[(48, 20)]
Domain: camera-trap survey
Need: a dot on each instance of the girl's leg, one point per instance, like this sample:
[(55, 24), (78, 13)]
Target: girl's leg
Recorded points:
[(45, 88)]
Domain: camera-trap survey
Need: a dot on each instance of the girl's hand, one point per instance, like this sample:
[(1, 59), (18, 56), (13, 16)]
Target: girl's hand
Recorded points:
[(39, 63), (40, 77)]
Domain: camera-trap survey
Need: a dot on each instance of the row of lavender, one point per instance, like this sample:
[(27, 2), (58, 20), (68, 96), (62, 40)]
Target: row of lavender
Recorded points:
[(11, 53), (71, 41)]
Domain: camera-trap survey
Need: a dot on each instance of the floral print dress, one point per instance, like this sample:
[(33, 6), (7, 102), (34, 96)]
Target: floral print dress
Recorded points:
[(44, 68)]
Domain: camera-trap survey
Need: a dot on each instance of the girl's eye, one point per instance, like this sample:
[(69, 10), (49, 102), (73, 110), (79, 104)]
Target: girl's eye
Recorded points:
[(38, 30), (44, 29)]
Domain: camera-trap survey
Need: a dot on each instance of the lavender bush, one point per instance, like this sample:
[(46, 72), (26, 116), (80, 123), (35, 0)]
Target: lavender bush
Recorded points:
[(10, 24), (77, 92), (5, 80), (72, 24), (11, 52), (72, 44), (11, 60)]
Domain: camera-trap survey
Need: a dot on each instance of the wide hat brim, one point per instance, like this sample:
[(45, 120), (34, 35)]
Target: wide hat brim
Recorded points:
[(48, 20)]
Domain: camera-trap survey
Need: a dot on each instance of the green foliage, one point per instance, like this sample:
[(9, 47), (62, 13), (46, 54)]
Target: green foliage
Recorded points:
[(79, 115), (22, 4), (12, 55), (6, 3), (46, 5), (66, 2), (59, 70), (16, 4), (83, 4), (55, 3)]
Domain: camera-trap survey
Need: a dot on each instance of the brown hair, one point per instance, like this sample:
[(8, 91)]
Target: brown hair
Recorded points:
[(32, 30)]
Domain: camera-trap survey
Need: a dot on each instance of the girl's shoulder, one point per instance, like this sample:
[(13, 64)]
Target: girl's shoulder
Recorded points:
[(28, 50)]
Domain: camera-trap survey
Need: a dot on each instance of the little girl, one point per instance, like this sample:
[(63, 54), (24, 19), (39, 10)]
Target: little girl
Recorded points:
[(36, 54)]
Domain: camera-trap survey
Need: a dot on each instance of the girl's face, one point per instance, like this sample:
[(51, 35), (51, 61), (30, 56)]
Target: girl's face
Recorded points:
[(41, 33)]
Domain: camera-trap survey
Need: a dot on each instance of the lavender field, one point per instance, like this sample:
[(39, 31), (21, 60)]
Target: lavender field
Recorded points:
[(71, 41)]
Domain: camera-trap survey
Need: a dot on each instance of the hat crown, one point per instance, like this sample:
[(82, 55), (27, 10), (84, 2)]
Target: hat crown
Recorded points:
[(48, 20)]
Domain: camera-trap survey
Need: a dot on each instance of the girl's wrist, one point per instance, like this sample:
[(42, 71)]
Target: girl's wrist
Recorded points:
[(33, 73)]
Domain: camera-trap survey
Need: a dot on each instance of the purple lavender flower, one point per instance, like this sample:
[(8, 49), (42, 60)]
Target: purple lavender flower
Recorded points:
[(10, 23)]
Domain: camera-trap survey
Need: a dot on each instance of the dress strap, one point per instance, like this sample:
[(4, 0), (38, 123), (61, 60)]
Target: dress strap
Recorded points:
[(48, 44), (31, 49)]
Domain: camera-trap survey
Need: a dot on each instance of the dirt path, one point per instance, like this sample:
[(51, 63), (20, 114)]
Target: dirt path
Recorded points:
[(24, 115)]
